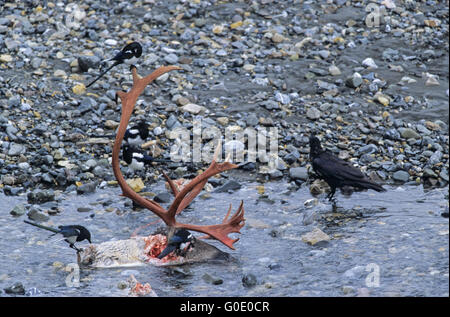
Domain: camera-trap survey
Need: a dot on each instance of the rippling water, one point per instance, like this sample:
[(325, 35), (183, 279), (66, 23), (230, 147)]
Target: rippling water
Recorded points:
[(398, 235)]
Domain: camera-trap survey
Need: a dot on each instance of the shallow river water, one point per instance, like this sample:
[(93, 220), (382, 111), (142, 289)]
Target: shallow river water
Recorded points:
[(382, 244)]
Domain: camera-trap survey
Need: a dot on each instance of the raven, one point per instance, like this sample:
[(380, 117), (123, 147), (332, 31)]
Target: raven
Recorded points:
[(337, 172)]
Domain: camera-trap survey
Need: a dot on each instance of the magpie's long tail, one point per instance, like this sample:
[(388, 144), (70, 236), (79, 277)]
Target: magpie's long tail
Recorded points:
[(42, 226), (102, 135), (148, 159), (166, 251), (101, 75)]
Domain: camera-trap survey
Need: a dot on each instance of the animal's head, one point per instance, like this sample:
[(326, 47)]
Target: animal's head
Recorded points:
[(314, 145)]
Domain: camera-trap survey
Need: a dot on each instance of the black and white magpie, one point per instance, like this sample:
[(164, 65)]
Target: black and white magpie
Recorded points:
[(71, 233), (181, 240), (136, 135), (136, 159), (129, 54)]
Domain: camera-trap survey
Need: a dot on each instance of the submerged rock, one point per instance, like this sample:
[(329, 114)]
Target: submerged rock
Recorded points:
[(315, 237)]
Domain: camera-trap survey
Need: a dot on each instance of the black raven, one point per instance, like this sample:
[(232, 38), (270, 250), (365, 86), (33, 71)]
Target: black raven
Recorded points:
[(337, 172)]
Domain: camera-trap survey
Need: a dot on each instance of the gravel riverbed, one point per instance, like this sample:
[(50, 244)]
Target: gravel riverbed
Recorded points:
[(373, 88)]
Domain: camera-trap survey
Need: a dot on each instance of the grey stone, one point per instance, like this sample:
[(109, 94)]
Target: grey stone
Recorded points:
[(252, 119), (18, 210), (16, 149), (171, 58), (354, 81), (16, 289), (84, 209), (408, 133), (87, 188), (163, 198), (14, 101), (231, 185), (212, 279), (401, 176), (172, 122), (40, 196), (313, 113), (37, 215), (298, 173), (249, 280)]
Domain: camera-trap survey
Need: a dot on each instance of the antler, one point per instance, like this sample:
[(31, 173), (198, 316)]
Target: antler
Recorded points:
[(184, 197)]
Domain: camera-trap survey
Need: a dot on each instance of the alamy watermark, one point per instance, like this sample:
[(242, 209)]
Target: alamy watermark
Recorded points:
[(73, 278), (373, 278), (199, 143)]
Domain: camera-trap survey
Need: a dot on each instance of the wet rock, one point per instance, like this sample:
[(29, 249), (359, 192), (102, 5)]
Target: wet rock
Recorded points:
[(230, 185), (249, 280), (37, 215), (163, 198), (87, 188), (315, 237), (298, 173), (212, 279), (309, 217), (40, 196), (84, 209), (355, 273), (16, 289), (18, 210), (347, 290)]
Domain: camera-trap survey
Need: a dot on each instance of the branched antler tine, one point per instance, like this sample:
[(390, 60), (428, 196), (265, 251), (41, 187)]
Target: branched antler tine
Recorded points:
[(220, 232), (190, 196), (198, 183), (223, 221), (228, 213), (128, 100), (194, 187), (172, 185)]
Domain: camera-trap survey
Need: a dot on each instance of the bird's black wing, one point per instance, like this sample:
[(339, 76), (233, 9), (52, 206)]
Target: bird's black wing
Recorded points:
[(170, 248), (342, 173), (332, 166), (69, 231)]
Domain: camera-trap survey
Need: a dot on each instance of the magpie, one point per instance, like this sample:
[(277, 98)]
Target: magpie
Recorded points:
[(71, 233), (337, 172), (181, 240), (128, 54), (136, 135), (136, 159)]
